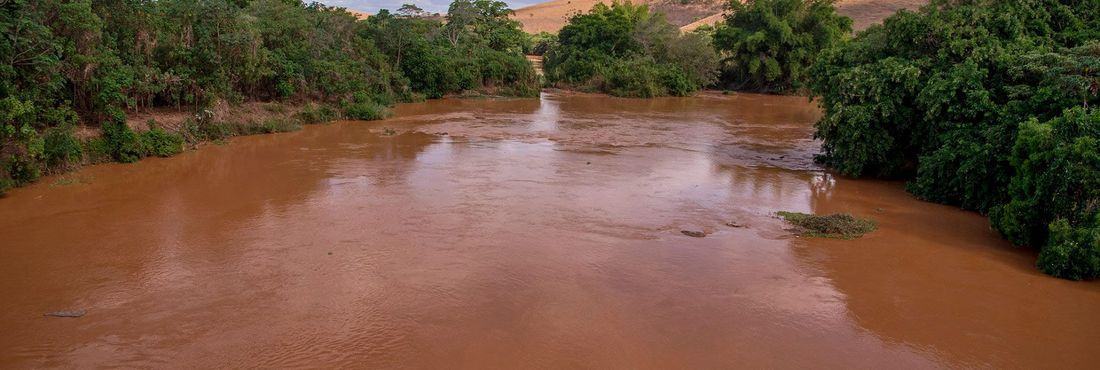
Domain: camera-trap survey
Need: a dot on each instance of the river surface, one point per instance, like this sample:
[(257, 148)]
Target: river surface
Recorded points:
[(537, 233)]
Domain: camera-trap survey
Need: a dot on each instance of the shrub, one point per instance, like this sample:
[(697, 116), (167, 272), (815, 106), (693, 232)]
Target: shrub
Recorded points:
[(209, 130), (97, 151), (364, 107), (366, 111), (313, 114), (273, 125), (123, 144), (161, 143), (542, 42), (1056, 190), (6, 184), (1073, 251), (512, 71), (641, 78), (22, 170), (768, 45), (61, 147), (625, 50), (284, 89)]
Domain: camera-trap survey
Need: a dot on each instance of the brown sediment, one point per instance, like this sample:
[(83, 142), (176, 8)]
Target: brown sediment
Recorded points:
[(536, 233)]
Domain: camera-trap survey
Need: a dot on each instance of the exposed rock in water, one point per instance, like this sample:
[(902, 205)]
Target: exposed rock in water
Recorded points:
[(73, 313), (734, 224), (694, 234)]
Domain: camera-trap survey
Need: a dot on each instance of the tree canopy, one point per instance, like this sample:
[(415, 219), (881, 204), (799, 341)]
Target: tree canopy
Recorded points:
[(626, 50), (89, 62), (951, 97), (768, 45)]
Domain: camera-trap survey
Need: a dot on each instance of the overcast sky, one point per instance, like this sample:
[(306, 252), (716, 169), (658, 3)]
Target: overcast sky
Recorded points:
[(434, 6)]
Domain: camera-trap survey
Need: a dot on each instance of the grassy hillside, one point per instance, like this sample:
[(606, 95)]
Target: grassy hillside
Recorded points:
[(550, 16)]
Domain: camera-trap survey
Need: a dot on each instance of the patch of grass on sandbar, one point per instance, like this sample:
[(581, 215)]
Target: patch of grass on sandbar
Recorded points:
[(837, 225)]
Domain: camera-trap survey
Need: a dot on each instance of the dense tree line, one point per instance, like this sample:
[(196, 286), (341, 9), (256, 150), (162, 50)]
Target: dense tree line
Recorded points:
[(625, 50), (70, 62), (475, 46), (989, 105)]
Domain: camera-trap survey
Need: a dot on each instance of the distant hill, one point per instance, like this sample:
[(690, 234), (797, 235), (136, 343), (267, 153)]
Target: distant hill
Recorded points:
[(358, 14), (550, 16)]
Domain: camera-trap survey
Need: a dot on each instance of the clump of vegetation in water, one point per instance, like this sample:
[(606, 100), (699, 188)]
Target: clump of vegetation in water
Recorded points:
[(837, 225), (768, 45), (626, 50), (987, 105)]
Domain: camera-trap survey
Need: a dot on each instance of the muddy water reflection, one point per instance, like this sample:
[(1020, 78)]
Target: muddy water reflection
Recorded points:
[(533, 233)]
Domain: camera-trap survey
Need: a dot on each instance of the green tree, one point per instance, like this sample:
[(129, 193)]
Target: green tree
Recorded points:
[(768, 45), (1055, 193), (69, 62), (938, 96), (625, 50)]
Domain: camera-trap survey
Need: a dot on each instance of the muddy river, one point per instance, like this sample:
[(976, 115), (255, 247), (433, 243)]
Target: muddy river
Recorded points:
[(516, 234)]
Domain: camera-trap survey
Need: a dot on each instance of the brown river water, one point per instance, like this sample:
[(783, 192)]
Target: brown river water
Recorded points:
[(534, 233)]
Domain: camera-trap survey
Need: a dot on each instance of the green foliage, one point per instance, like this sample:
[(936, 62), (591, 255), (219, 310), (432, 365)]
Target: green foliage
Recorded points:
[(67, 61), (362, 107), (837, 225), (61, 147), (1073, 251), (271, 126), (96, 151), (950, 95), (314, 114), (1055, 193), (542, 42), (22, 170), (122, 142), (643, 78), (6, 184), (479, 48), (161, 143), (768, 45), (598, 50)]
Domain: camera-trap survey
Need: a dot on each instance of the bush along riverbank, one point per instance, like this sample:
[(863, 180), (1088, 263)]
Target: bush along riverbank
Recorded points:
[(77, 67), (625, 50), (987, 105)]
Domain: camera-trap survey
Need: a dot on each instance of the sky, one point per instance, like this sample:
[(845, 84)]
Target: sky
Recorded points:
[(434, 6)]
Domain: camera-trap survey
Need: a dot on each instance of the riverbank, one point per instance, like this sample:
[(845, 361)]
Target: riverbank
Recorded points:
[(195, 128), (245, 119)]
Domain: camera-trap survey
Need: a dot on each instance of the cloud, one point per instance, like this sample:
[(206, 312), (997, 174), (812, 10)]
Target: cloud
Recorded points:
[(434, 6)]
